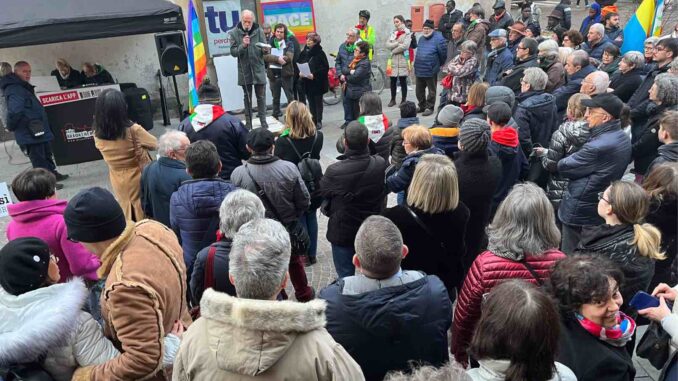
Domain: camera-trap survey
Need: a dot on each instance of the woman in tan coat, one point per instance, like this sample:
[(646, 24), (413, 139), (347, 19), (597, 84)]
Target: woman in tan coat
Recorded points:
[(398, 66), (124, 146)]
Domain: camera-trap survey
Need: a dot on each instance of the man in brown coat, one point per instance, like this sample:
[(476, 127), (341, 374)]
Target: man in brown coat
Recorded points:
[(477, 32), (145, 291)]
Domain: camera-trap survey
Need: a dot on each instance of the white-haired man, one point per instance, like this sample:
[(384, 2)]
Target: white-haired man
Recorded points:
[(247, 39), (387, 310), (536, 113), (163, 177), (597, 41), (595, 83), (253, 336)]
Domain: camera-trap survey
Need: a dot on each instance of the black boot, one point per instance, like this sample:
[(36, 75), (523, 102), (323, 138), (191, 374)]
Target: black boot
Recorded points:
[(392, 102), (262, 120), (248, 122)]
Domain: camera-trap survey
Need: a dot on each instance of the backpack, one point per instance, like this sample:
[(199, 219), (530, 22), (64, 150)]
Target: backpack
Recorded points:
[(311, 172)]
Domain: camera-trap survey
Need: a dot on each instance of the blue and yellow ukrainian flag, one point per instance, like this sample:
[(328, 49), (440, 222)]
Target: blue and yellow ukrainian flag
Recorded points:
[(644, 23)]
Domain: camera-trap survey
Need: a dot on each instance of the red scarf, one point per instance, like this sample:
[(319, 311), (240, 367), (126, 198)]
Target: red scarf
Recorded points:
[(360, 27), (399, 33), (355, 61), (467, 108), (497, 18)]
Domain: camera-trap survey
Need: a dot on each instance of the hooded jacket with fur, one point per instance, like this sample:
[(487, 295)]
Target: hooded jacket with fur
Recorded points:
[(247, 339)]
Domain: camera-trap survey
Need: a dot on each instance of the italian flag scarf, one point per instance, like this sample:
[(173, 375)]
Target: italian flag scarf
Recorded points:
[(376, 125), (618, 335), (204, 115)]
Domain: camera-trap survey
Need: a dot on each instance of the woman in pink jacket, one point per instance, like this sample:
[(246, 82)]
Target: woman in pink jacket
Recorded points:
[(40, 214)]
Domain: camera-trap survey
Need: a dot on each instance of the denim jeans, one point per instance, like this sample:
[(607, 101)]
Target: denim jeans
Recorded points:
[(400, 197), (343, 260), (310, 222)]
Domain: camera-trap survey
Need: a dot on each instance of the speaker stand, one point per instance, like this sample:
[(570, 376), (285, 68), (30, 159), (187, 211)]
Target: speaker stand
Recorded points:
[(176, 94), (163, 102)]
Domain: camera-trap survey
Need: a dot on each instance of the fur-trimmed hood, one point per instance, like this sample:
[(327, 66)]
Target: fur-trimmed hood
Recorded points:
[(249, 336), (37, 321)]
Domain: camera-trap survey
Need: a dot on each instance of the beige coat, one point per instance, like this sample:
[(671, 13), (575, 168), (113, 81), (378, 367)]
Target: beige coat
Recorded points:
[(145, 293), (125, 165), (398, 47), (245, 339)]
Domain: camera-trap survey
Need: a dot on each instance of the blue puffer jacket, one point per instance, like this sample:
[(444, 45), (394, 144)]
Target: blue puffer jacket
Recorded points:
[(192, 208), (407, 322), (498, 61), (570, 88), (536, 116), (431, 55), (599, 162), (23, 108), (400, 180), (596, 51)]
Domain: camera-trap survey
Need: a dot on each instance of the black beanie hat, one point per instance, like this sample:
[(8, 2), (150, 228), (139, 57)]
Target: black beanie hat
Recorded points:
[(429, 24), (23, 265), (93, 215)]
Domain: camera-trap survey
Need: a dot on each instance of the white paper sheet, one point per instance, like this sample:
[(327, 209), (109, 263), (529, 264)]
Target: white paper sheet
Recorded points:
[(304, 69)]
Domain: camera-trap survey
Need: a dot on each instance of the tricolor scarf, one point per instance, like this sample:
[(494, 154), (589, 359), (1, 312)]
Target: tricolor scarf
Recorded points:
[(204, 114), (376, 126), (617, 336)]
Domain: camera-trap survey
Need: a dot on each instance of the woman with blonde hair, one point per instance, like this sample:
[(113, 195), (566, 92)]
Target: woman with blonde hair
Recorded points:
[(662, 186), (473, 108), (565, 141), (625, 238), (433, 221), (302, 140), (417, 141)]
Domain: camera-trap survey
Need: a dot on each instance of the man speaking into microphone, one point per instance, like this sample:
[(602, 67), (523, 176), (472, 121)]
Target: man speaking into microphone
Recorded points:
[(248, 44)]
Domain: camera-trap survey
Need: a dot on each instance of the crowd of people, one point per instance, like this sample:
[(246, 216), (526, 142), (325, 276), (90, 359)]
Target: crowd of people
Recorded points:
[(539, 204)]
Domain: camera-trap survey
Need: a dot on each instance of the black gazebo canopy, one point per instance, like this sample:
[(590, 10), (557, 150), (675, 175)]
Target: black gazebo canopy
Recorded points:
[(35, 22)]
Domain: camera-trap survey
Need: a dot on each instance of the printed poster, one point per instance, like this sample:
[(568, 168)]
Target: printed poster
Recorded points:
[(5, 199), (296, 14), (220, 17)]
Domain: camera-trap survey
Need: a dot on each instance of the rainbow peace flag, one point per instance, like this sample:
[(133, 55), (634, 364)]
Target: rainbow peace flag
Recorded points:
[(197, 60), (644, 23)]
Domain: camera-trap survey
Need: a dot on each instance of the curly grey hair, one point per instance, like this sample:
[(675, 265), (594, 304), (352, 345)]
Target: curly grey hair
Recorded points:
[(524, 224), (260, 256), (238, 208), (536, 78), (451, 371), (667, 89)]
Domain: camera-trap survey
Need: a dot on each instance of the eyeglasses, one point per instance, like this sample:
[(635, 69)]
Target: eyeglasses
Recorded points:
[(521, 48), (601, 196), (659, 48)]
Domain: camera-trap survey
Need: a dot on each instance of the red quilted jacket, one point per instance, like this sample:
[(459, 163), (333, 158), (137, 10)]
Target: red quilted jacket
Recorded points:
[(487, 271)]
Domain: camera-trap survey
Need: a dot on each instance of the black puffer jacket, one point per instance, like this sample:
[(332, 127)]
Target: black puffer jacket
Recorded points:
[(664, 216), (536, 116), (565, 141), (358, 83), (354, 188), (615, 243)]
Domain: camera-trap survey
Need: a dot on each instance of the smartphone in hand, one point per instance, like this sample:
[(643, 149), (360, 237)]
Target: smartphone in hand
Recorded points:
[(642, 300)]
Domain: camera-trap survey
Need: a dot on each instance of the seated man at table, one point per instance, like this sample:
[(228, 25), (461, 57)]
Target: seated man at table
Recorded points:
[(67, 76), (95, 74)]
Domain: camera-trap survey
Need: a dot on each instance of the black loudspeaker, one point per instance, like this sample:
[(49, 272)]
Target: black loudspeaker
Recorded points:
[(172, 53)]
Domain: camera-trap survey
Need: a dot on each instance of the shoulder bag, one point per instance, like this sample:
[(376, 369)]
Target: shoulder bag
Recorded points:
[(299, 238), (654, 345)]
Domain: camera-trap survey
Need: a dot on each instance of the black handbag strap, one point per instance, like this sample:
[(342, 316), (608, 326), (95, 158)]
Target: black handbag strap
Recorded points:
[(532, 271), (315, 137), (262, 195), (423, 225)]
